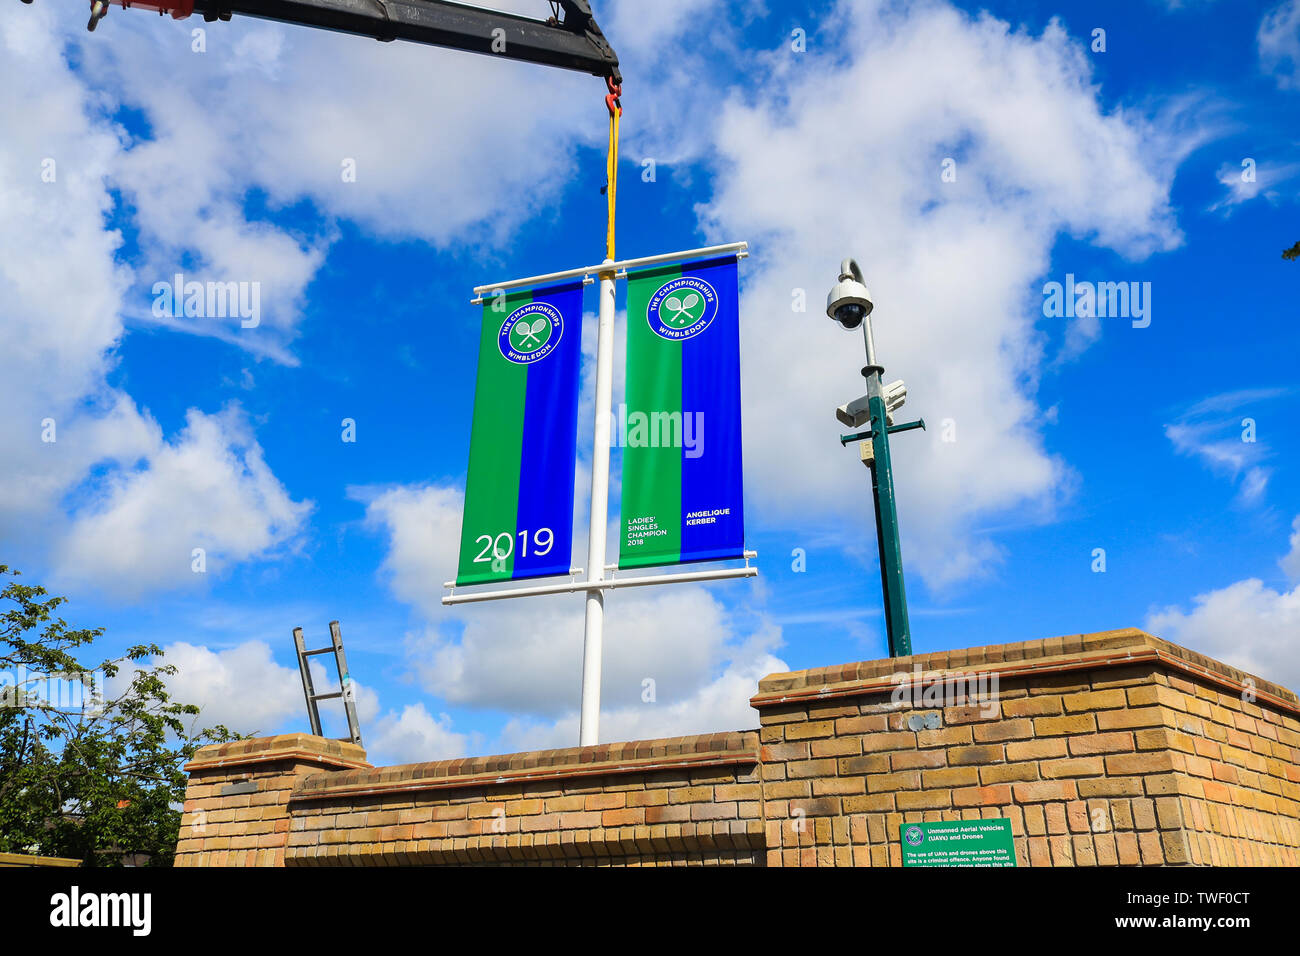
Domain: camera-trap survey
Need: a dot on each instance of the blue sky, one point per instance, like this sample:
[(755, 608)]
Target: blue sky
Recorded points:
[(1122, 165)]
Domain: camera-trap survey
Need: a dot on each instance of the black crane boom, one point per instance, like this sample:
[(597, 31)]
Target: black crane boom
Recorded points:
[(573, 42)]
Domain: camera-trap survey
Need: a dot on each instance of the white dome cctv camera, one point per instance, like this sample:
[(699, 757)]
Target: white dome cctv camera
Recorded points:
[(850, 301)]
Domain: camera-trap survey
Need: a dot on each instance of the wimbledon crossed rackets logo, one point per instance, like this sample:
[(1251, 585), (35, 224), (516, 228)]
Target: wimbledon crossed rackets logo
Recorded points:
[(682, 308), (530, 333)]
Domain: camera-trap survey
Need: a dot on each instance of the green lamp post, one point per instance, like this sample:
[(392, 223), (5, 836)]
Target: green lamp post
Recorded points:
[(849, 304)]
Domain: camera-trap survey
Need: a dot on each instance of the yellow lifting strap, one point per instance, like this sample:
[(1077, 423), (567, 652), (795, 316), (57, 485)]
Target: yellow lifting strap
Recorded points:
[(611, 163)]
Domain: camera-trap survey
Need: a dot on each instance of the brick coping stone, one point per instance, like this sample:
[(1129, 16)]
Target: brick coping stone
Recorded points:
[(1118, 648), (637, 756), (301, 748)]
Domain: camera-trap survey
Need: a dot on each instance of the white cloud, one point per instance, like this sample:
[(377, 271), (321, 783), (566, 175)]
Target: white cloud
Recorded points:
[(526, 655), (1291, 560), (720, 705), (140, 501), (1264, 182), (241, 687), (423, 528), (1247, 624), (60, 290), (1279, 44), (1226, 455), (1220, 430), (842, 155), (447, 147), (644, 30), (665, 50), (208, 489), (413, 736)]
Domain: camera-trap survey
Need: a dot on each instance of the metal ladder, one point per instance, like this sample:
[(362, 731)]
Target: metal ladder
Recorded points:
[(346, 690)]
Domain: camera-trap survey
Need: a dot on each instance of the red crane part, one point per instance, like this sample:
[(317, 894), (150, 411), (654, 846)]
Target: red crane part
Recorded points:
[(179, 9)]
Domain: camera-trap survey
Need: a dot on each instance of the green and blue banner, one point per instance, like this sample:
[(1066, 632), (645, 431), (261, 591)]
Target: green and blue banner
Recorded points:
[(680, 428), (518, 519)]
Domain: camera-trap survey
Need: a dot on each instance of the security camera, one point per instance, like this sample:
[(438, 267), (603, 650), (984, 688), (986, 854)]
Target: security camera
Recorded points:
[(857, 413), (849, 302), (895, 396)]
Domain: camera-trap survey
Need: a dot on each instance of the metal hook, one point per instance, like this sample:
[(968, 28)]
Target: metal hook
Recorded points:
[(612, 100)]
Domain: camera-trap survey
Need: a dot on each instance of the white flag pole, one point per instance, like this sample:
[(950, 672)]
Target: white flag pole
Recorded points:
[(589, 728)]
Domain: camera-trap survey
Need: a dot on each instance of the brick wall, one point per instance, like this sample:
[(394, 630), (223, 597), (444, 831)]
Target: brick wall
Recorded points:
[(236, 809), (686, 801), (1102, 749), (690, 800), (1238, 791)]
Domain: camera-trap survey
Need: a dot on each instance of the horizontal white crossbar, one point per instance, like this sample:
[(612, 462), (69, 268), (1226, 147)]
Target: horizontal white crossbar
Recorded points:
[(573, 572), (608, 584), (614, 567), (741, 249)]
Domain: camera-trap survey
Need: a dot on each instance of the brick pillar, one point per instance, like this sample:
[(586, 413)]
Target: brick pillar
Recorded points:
[(236, 805), (1112, 748)]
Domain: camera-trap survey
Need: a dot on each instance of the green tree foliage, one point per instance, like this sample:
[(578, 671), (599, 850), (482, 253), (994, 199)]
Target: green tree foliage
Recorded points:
[(99, 783), (1293, 252)]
